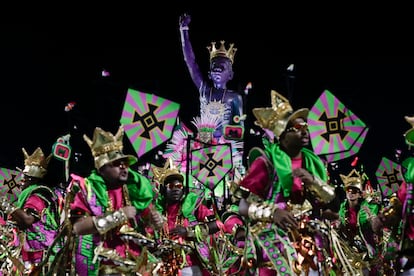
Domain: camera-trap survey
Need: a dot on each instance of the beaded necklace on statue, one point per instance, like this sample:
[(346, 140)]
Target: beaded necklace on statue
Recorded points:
[(216, 108)]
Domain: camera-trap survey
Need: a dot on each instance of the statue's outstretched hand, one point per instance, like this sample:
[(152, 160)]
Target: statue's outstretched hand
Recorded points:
[(184, 20)]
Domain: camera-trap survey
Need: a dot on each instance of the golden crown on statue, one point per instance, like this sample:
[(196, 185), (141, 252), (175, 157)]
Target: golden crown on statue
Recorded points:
[(222, 51)]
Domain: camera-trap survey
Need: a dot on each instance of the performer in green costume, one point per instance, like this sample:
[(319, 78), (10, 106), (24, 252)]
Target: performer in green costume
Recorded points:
[(112, 202), (287, 187)]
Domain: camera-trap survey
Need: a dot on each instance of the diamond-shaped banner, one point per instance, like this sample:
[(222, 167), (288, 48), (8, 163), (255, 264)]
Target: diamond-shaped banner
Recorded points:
[(148, 120), (9, 183), (389, 176), (336, 133), (210, 165)]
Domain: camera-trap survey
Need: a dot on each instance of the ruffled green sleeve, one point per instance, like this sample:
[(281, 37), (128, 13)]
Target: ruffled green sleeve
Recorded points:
[(342, 212), (140, 190), (363, 216), (283, 167), (189, 204), (408, 164)]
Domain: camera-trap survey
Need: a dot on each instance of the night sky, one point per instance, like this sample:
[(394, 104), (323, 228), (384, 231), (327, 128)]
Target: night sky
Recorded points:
[(45, 66)]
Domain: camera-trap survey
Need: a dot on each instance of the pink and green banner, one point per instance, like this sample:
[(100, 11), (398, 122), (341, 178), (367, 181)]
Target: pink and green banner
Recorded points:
[(9, 183), (148, 120), (210, 165), (389, 176), (336, 132)]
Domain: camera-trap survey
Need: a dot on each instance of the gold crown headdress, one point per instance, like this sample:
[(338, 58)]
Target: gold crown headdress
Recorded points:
[(106, 147), (353, 179), (222, 51), (277, 117), (35, 165), (161, 174), (409, 134)]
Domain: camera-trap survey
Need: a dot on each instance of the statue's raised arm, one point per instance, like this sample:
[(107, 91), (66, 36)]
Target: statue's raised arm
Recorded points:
[(188, 52)]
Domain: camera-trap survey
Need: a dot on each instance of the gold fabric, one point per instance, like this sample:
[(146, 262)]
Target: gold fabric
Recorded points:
[(353, 179), (222, 51), (161, 174), (36, 164), (106, 147), (276, 117)]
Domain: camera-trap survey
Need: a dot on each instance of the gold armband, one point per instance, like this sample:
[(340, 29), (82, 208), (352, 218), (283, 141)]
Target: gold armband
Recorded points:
[(261, 211), (323, 192), (107, 222)]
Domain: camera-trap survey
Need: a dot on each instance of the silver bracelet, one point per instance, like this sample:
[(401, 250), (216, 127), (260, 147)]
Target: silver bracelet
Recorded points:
[(107, 222), (262, 211), (184, 28)]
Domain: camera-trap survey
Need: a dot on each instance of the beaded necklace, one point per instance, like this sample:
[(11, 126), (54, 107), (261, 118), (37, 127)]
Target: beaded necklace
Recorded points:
[(125, 199), (216, 108)]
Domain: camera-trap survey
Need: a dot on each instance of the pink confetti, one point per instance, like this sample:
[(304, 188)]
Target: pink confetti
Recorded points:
[(70, 106), (105, 73)]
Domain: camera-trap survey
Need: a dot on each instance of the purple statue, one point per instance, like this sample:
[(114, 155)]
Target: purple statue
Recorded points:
[(216, 100)]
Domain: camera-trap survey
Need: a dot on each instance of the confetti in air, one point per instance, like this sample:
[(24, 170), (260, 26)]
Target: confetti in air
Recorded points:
[(355, 161), (105, 73), (253, 132), (70, 106), (248, 87)]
